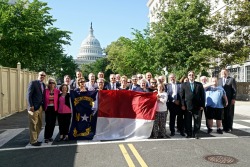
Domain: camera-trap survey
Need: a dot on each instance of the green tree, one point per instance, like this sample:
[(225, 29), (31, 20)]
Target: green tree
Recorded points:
[(27, 36), (231, 30), (97, 66), (182, 43), (132, 56)]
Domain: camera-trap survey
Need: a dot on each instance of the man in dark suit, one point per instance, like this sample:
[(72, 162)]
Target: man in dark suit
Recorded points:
[(35, 102), (192, 99), (134, 86), (229, 85), (113, 85), (74, 83), (174, 107)]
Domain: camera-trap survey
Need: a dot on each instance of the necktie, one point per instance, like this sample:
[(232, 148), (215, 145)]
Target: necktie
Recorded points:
[(174, 90), (41, 86), (224, 81), (113, 87), (192, 86)]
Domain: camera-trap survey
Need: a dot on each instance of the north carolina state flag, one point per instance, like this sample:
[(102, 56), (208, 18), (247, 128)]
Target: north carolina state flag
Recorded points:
[(124, 114)]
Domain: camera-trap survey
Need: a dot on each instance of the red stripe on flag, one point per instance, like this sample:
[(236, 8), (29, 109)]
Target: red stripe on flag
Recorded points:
[(126, 104)]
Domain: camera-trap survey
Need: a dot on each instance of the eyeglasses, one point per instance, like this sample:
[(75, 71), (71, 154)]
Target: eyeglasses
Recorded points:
[(139, 77), (153, 82), (112, 78), (128, 82), (42, 75), (52, 83)]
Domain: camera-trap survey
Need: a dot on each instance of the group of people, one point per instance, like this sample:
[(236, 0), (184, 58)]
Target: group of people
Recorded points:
[(185, 100)]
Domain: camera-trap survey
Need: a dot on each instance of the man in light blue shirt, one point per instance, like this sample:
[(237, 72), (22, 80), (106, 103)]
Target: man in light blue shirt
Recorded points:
[(214, 103)]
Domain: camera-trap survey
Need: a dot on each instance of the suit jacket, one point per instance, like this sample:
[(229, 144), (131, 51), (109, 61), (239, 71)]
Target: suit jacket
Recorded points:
[(193, 100), (73, 84), (170, 92), (108, 86), (35, 95), (46, 98), (136, 88), (229, 87)]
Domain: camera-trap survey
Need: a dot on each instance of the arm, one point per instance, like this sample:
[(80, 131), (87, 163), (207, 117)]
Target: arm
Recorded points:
[(182, 94), (163, 99), (29, 96), (234, 91), (205, 86), (226, 101), (203, 97)]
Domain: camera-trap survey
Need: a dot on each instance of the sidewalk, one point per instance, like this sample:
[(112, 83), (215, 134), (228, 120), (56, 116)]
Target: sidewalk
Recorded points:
[(242, 108)]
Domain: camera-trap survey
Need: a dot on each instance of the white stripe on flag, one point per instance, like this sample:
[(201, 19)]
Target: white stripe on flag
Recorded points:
[(122, 128)]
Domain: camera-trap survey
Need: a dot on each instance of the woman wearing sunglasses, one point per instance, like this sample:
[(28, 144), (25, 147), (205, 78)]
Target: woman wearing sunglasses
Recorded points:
[(50, 107)]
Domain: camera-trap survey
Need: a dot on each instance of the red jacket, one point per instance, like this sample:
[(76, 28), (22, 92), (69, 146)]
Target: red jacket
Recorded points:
[(46, 98)]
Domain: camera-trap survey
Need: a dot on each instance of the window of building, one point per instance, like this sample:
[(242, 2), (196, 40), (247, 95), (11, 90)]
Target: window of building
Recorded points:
[(248, 73)]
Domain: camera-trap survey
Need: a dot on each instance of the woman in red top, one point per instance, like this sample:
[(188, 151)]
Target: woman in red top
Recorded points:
[(64, 112), (50, 107)]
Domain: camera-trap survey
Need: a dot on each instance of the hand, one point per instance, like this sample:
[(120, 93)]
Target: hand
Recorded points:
[(177, 102), (201, 109), (31, 109), (183, 107), (233, 102)]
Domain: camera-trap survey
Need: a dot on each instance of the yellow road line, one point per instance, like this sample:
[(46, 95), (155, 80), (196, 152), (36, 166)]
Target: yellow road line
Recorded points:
[(137, 155), (126, 156)]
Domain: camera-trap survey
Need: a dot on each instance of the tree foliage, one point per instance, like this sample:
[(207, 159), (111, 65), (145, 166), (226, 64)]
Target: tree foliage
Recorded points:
[(186, 37), (231, 30), (182, 43), (27, 36), (100, 65), (132, 56)]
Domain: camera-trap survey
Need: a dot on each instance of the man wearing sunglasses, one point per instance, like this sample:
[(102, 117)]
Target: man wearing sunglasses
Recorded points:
[(35, 101)]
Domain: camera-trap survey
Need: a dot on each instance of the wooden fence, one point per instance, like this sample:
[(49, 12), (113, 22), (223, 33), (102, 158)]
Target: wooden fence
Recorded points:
[(13, 88)]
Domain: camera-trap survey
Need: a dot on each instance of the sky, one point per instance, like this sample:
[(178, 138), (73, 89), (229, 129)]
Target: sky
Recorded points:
[(110, 19)]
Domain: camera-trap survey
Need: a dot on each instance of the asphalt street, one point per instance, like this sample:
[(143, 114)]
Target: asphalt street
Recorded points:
[(234, 147)]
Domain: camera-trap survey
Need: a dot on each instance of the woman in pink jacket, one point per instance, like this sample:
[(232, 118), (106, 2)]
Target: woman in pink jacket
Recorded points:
[(50, 107), (64, 113)]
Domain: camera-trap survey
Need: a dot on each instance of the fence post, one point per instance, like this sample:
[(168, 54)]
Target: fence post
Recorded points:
[(18, 97), (1, 94)]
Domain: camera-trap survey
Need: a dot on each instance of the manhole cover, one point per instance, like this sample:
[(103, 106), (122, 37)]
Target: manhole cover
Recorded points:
[(221, 159)]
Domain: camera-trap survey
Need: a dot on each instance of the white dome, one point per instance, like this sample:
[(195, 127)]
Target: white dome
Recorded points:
[(90, 49)]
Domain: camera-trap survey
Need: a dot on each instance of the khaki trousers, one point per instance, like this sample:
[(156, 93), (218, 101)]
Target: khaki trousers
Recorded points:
[(35, 124)]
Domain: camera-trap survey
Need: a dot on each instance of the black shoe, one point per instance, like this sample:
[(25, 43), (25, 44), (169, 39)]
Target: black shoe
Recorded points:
[(66, 139), (209, 130), (196, 136), (182, 134), (51, 140), (228, 130), (60, 139), (172, 134), (188, 136), (46, 140), (36, 144), (219, 131)]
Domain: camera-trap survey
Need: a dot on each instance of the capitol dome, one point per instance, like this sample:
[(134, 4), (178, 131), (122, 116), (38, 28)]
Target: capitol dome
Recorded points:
[(90, 49)]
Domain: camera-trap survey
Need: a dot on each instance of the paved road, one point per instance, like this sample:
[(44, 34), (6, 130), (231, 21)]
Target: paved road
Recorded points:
[(15, 149)]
